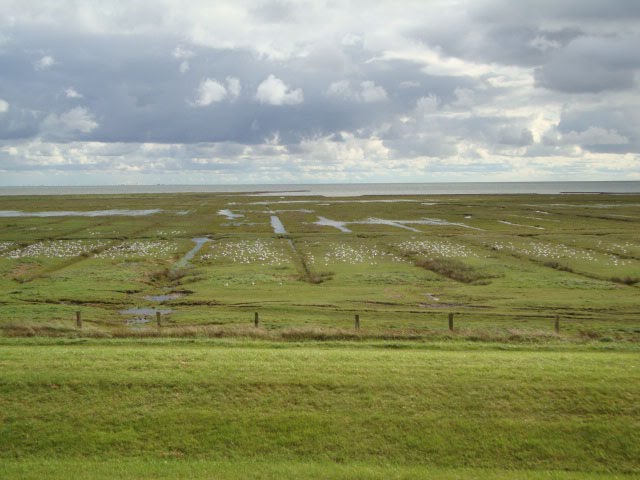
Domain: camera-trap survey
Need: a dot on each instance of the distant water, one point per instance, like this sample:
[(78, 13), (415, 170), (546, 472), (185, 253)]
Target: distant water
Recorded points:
[(344, 190)]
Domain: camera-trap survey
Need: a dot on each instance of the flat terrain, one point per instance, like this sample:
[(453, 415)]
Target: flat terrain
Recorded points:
[(305, 394), (159, 408), (505, 265)]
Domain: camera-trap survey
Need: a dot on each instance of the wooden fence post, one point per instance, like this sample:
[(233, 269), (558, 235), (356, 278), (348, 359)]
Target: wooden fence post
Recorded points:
[(256, 319), (78, 319), (158, 318), (357, 322), (451, 322)]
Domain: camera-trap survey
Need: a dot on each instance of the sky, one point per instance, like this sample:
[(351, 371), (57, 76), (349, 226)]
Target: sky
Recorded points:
[(277, 91)]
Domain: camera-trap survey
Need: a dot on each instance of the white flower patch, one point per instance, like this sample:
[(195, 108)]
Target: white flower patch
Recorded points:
[(55, 249), (6, 245), (623, 248), (437, 247), (549, 251), (344, 253), (248, 252), (140, 248)]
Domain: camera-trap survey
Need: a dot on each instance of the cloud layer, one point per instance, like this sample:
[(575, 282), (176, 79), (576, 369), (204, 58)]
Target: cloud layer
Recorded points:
[(259, 92)]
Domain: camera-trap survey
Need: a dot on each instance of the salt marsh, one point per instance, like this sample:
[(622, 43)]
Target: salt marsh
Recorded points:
[(313, 261)]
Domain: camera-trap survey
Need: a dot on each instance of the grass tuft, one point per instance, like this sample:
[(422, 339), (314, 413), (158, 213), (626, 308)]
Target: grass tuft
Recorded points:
[(626, 280), (453, 269)]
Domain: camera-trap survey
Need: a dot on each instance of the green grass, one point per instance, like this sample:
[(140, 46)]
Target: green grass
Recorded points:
[(327, 410), (305, 395), (202, 469), (579, 261)]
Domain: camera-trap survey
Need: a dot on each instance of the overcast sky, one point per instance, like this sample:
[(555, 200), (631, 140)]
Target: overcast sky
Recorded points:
[(321, 91)]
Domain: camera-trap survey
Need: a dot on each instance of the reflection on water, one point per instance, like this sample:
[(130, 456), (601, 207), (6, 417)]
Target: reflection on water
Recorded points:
[(163, 298), (141, 316), (277, 225), (200, 241), (229, 214), (393, 223), (325, 222)]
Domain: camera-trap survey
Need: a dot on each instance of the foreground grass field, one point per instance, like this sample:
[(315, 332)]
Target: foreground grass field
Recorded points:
[(237, 409)]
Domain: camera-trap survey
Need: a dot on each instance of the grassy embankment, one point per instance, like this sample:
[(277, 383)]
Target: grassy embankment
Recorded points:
[(232, 409)]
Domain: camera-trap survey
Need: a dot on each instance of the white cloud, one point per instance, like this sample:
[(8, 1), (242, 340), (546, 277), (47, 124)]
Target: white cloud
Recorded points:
[(233, 87), (351, 40), (78, 119), (372, 93), (351, 152), (72, 93), (427, 105), (465, 97), (45, 62), (340, 89), (183, 54), (210, 91), (543, 44), (368, 92), (274, 91), (4, 106)]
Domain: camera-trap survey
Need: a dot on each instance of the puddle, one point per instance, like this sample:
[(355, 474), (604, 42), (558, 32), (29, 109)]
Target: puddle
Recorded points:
[(163, 298), (536, 218), (93, 213), (395, 200), (391, 223), (404, 224), (573, 205), (183, 212), (277, 225), (142, 315), (325, 222), (436, 221), (239, 224), (229, 214), (200, 241), (302, 210)]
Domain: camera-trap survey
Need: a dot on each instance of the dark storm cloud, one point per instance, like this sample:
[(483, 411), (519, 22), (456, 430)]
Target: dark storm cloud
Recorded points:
[(568, 10), (577, 46), (591, 64)]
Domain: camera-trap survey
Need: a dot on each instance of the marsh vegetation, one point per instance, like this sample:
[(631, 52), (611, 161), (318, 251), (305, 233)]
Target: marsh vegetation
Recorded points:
[(403, 263)]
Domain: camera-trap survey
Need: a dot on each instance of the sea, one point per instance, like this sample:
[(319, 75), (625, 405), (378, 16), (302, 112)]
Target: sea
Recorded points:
[(344, 189)]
